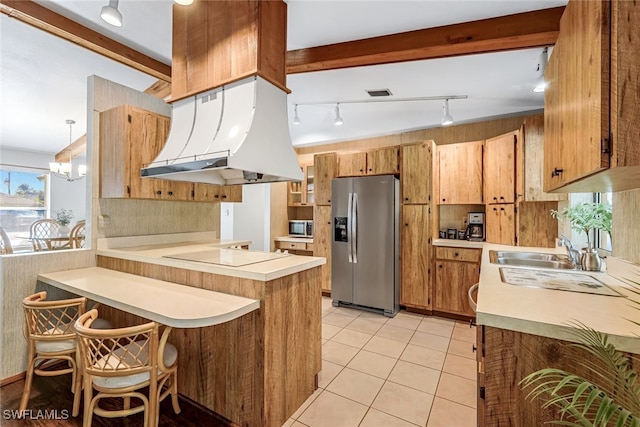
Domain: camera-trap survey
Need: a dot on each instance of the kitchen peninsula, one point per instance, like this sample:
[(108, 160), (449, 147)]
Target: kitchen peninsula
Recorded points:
[(257, 369)]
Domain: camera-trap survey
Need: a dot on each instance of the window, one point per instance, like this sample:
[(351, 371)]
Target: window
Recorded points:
[(23, 199), (602, 237)]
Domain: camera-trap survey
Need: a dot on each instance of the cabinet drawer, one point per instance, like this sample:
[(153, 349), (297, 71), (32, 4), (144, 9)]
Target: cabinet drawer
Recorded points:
[(458, 254), (293, 245)]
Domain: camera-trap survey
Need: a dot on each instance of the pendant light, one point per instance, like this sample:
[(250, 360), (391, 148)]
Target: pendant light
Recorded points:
[(447, 118), (65, 170), (296, 119), (540, 84), (111, 15), (338, 120)]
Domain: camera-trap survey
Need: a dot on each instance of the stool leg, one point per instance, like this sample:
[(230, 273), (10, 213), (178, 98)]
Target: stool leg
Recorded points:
[(27, 382), (88, 395), (174, 392), (77, 386)]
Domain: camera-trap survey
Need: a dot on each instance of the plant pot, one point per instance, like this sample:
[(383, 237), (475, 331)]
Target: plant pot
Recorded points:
[(590, 260), (64, 231)]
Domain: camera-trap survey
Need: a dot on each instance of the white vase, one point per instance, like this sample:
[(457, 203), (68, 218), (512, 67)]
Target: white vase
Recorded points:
[(63, 231)]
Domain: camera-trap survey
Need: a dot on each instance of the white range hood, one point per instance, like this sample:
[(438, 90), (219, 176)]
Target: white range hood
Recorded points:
[(231, 135)]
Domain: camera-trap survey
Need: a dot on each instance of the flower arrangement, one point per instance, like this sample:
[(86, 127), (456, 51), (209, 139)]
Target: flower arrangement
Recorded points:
[(586, 217), (64, 217)]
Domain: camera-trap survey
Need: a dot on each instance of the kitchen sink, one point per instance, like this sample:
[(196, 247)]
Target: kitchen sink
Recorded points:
[(531, 259)]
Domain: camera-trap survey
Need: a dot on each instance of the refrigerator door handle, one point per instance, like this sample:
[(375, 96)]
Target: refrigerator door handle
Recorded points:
[(354, 229), (349, 225)]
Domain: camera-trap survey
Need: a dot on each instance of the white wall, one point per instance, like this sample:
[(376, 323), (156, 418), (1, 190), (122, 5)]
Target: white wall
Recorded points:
[(62, 194), (249, 220)]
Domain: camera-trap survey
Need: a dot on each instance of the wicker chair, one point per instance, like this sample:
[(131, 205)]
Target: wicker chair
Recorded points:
[(5, 243), (51, 338), (40, 231), (120, 362), (76, 237)]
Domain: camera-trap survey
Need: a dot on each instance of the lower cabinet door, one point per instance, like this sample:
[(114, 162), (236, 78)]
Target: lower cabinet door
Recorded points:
[(322, 242), (416, 256), (452, 282), (501, 224)]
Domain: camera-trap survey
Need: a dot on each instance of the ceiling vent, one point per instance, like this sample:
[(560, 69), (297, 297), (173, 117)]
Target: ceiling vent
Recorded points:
[(379, 92)]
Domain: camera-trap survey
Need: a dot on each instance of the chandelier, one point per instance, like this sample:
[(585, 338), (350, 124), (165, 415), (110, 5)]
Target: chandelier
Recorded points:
[(65, 170)]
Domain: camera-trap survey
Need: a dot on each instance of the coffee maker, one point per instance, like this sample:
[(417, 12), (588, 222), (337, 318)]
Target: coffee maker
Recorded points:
[(475, 226)]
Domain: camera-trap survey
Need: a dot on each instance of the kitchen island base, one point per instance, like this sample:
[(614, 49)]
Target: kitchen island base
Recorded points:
[(255, 370)]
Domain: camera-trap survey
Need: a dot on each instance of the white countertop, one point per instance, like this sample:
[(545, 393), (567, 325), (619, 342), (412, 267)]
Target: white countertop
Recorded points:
[(294, 239), (263, 271), (168, 303), (548, 312), (453, 243)]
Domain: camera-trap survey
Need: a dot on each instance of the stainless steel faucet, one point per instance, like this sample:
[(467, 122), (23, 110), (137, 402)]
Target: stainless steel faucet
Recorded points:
[(573, 253)]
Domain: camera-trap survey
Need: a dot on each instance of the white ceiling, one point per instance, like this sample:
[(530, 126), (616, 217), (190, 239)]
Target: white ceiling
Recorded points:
[(43, 78)]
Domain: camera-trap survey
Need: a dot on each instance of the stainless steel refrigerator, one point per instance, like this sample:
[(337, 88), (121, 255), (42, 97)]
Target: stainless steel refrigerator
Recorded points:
[(365, 258)]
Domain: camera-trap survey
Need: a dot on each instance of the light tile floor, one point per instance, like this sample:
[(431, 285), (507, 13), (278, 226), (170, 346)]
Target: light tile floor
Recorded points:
[(408, 371)]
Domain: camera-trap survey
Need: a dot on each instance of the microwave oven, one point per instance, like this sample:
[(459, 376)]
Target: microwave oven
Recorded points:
[(301, 228)]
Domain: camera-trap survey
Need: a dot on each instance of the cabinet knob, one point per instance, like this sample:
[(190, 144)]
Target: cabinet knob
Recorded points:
[(171, 193), (494, 209), (501, 198), (406, 225), (495, 198), (502, 209), (329, 201), (456, 254), (216, 196), (224, 196), (556, 172), (439, 265), (444, 200), (406, 199), (158, 192), (370, 169), (473, 348), (361, 170)]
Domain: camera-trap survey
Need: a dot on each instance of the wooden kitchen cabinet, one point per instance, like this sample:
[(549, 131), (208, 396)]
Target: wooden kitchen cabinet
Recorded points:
[(352, 164), (131, 137), (322, 242), (416, 257), (415, 176), (217, 193), (301, 193), (591, 114), (501, 224), (459, 172), (500, 168), (381, 161), (324, 170), (454, 276)]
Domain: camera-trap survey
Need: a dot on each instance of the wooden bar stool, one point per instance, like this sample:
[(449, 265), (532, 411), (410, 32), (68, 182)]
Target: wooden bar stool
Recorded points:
[(49, 331), (120, 362)]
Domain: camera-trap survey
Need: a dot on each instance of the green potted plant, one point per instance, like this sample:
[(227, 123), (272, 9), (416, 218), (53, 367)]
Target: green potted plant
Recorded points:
[(611, 394), (63, 218), (586, 217)]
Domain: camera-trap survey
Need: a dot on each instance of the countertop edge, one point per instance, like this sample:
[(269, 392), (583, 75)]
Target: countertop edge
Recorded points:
[(452, 243)]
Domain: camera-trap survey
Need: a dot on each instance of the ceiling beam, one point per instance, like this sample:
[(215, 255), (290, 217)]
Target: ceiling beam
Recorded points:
[(76, 148), (519, 31), (40, 17)]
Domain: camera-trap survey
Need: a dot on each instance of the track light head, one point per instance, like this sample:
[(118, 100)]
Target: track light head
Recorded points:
[(338, 120), (447, 118), (183, 2), (296, 119), (540, 84), (111, 15)]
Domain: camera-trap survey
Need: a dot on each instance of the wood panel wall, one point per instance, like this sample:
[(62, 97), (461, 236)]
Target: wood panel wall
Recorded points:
[(441, 135), (626, 226), (17, 280), (274, 353)]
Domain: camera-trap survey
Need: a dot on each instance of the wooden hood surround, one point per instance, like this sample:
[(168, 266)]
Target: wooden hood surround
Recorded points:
[(219, 42)]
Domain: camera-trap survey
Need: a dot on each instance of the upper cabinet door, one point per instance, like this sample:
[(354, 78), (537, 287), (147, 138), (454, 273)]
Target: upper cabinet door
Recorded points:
[(383, 161), (415, 176), (500, 168), (577, 97), (460, 173), (352, 164), (324, 170)]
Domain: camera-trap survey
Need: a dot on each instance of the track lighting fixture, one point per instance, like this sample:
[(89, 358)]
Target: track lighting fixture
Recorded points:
[(296, 119), (338, 121), (541, 84), (447, 119), (111, 15)]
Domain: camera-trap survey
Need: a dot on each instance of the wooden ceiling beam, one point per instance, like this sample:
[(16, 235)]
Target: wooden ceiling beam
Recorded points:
[(40, 17), (519, 31)]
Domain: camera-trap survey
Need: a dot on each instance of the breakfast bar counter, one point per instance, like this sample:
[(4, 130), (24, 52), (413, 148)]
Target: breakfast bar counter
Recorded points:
[(256, 369)]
